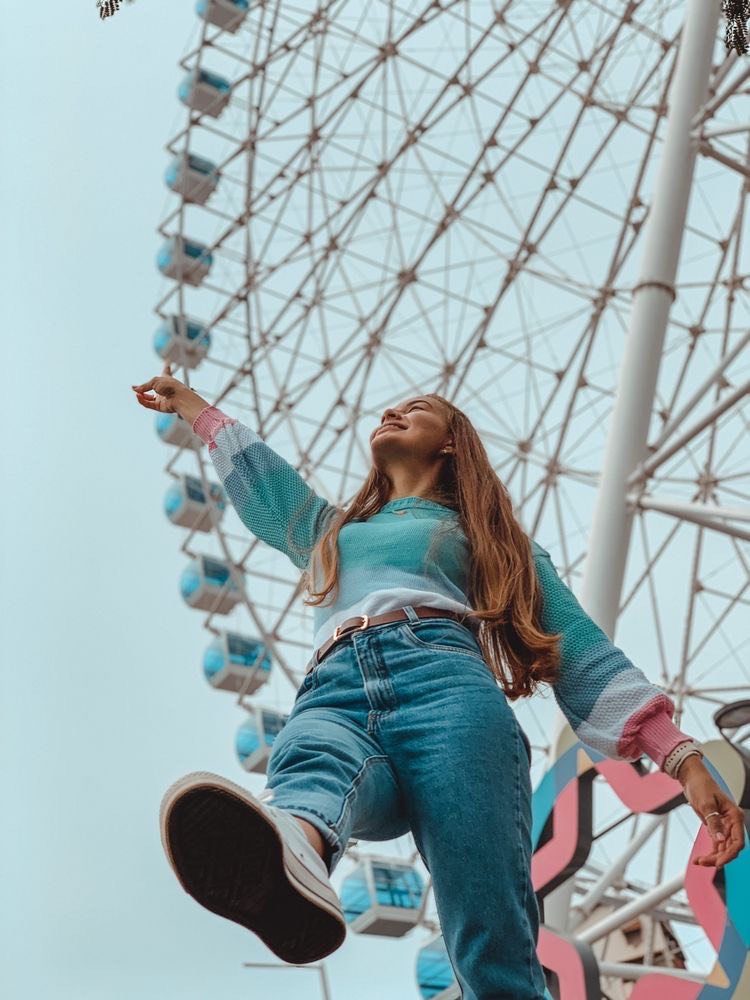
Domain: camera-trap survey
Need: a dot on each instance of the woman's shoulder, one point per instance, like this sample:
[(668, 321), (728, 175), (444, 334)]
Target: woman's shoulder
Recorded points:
[(537, 550)]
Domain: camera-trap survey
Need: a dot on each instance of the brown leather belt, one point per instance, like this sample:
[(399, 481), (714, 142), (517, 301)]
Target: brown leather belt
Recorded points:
[(360, 622)]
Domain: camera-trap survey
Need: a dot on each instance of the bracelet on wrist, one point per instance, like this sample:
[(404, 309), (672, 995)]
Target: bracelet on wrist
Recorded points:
[(674, 759)]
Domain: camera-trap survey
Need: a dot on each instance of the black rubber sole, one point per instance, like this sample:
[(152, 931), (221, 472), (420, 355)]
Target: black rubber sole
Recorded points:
[(230, 859)]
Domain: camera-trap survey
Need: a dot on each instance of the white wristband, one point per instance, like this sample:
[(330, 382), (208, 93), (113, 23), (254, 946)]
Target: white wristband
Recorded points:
[(674, 759)]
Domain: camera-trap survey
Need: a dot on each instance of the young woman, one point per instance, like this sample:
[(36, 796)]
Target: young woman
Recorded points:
[(432, 609)]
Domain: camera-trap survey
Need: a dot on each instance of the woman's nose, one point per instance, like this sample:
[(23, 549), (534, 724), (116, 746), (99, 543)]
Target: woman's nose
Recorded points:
[(389, 415)]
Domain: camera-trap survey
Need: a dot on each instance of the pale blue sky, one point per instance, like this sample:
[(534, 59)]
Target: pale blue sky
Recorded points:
[(103, 701)]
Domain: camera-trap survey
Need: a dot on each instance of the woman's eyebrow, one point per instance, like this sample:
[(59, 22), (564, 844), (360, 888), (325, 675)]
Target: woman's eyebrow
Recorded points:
[(407, 405)]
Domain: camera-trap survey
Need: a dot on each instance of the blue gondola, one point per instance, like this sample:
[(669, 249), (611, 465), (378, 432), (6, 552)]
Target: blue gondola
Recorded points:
[(435, 978), (185, 260), (255, 738), (206, 583), (185, 503), (172, 429), (206, 92), (234, 662), (193, 177), (227, 14), (182, 341), (382, 897)]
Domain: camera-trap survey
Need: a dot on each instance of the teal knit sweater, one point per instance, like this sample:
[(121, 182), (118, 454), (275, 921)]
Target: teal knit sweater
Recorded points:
[(414, 551)]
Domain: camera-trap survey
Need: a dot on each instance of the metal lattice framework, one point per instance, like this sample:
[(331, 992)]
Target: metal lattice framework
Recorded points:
[(452, 197)]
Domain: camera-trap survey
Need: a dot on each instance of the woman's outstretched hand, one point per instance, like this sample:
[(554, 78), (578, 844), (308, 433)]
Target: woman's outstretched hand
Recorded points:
[(705, 796), (165, 388)]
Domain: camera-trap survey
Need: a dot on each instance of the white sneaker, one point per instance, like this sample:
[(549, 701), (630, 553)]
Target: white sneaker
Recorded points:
[(252, 864)]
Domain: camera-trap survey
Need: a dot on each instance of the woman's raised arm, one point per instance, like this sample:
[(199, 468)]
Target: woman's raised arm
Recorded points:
[(269, 495)]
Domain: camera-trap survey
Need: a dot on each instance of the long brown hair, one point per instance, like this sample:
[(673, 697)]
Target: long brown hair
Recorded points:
[(504, 592)]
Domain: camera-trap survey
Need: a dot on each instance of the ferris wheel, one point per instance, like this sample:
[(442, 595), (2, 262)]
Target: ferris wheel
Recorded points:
[(538, 210)]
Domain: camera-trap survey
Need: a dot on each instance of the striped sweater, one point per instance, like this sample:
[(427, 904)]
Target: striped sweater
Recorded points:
[(413, 551)]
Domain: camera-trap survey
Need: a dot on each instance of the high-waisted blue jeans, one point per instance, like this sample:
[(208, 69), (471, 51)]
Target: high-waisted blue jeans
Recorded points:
[(402, 727)]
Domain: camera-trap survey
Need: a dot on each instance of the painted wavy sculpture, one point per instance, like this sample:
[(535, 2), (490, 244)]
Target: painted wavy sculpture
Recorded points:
[(562, 836)]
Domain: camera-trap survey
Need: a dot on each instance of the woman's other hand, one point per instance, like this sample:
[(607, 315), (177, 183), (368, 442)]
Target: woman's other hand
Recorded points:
[(705, 796)]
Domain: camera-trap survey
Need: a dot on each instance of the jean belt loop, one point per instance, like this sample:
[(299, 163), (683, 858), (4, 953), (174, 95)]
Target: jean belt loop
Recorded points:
[(411, 614)]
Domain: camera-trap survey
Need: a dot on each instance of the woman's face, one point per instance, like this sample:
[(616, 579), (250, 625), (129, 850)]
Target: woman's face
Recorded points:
[(417, 429)]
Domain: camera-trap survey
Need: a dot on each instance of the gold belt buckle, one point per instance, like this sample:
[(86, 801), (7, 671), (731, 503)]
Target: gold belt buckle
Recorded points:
[(365, 623)]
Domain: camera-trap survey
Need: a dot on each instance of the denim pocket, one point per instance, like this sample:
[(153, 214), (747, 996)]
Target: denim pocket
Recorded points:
[(443, 635)]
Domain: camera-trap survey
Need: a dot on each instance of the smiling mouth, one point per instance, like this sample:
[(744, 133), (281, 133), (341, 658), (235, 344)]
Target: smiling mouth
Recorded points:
[(386, 427)]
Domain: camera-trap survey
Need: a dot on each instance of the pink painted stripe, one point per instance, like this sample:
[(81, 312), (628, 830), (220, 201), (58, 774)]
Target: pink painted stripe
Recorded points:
[(702, 893), (639, 792), (551, 858), (562, 955), (209, 421), (651, 731)]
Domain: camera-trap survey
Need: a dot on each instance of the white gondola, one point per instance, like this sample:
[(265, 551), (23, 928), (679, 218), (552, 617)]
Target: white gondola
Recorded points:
[(255, 738), (206, 92), (206, 583), (193, 177), (185, 503), (234, 662), (184, 260), (182, 341), (435, 979), (172, 429), (227, 14), (382, 896)]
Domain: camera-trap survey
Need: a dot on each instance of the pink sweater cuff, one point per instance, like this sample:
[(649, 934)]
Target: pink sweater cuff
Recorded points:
[(658, 736), (210, 420)]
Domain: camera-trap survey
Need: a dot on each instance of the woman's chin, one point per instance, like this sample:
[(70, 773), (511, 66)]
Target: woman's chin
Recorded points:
[(381, 457)]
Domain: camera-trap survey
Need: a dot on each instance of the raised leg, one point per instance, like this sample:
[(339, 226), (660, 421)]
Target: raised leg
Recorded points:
[(331, 774)]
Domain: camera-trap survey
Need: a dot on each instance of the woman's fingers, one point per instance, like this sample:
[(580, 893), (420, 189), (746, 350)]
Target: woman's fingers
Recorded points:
[(144, 386), (157, 392), (713, 810), (731, 825), (151, 402), (736, 825), (723, 818), (706, 860), (716, 859)]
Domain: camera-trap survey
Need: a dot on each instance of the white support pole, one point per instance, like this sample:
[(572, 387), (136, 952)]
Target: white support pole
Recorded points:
[(615, 872), (633, 971), (653, 294), (624, 914)]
